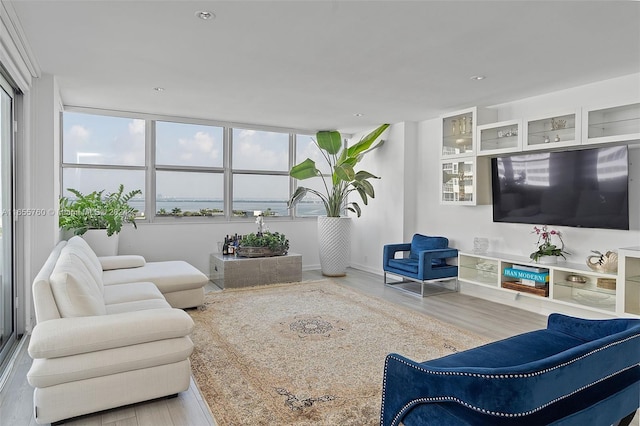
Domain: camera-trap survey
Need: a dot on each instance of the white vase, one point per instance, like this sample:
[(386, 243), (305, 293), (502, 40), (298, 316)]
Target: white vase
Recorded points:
[(100, 243), (547, 260), (334, 238)]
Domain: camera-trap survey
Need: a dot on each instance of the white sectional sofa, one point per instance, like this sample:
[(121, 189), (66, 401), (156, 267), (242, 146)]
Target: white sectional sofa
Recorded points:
[(105, 338)]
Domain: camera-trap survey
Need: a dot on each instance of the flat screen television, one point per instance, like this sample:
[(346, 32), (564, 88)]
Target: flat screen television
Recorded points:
[(586, 188)]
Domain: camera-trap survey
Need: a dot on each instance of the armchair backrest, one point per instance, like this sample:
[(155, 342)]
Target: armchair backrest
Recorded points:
[(423, 242)]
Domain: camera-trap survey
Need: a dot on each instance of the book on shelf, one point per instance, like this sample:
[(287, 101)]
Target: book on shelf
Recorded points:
[(542, 277), (529, 268), (532, 283)]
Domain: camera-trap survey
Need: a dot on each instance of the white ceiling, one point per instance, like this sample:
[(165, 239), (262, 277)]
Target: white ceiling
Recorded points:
[(314, 64)]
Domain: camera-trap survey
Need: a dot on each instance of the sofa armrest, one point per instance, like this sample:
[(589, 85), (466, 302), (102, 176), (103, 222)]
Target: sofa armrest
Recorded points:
[(428, 255), (512, 390), (71, 336), (587, 329), (390, 250), (121, 262)]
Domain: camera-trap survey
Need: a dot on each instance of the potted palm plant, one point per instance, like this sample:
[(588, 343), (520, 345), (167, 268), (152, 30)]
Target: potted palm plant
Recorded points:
[(333, 229), (98, 217)]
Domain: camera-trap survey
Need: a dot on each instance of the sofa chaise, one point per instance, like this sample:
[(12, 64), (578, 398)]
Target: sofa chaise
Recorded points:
[(575, 372), (98, 346)]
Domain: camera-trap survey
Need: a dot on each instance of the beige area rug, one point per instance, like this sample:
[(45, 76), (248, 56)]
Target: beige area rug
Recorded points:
[(309, 353)]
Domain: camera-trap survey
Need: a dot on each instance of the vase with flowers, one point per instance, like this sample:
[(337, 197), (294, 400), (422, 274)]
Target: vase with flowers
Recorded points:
[(547, 251)]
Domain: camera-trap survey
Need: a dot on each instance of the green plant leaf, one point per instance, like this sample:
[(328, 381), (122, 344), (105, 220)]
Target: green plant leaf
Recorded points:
[(365, 143), (298, 195), (305, 170), (330, 141)]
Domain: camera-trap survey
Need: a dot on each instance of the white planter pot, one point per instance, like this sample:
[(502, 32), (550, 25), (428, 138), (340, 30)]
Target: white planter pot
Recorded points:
[(548, 260), (334, 238), (100, 243)]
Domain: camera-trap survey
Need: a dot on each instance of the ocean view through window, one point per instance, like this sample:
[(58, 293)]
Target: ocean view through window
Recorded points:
[(194, 169)]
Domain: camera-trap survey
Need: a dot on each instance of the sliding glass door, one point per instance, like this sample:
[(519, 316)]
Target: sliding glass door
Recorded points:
[(7, 287)]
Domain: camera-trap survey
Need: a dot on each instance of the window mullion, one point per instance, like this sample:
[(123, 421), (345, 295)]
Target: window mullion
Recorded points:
[(150, 172)]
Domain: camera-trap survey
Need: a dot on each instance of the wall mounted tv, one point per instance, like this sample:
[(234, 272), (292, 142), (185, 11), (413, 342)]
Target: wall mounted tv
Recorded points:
[(586, 188)]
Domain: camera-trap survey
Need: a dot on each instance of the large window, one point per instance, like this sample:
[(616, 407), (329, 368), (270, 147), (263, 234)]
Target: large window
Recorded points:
[(189, 169), (260, 169), (194, 170), (101, 152)]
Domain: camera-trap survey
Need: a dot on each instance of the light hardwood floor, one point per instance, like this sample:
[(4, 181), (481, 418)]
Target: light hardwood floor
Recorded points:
[(492, 320)]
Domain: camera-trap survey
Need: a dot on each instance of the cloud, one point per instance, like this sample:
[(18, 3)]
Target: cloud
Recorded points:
[(136, 127), (78, 134)]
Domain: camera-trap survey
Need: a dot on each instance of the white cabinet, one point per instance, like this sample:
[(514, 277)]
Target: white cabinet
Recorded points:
[(458, 130), (465, 181), (500, 138), (553, 131), (620, 123), (570, 285)]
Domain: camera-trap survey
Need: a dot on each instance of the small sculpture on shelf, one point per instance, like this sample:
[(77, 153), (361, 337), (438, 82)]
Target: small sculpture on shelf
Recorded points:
[(558, 124), (607, 263)]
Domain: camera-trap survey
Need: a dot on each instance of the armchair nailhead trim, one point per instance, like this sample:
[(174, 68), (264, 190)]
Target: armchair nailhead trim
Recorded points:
[(403, 410)]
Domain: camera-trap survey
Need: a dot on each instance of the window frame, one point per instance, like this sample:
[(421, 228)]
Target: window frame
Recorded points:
[(150, 167)]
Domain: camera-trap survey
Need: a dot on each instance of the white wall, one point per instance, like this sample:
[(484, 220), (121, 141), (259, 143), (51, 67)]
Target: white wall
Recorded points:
[(383, 219), (462, 223), (194, 242), (38, 178)]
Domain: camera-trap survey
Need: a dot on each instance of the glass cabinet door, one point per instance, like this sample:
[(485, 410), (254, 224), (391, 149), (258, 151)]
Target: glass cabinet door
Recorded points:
[(615, 124), (552, 131), (458, 133), (498, 138), (458, 181)]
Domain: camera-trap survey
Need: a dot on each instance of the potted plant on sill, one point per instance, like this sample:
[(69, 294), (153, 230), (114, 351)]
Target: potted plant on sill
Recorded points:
[(333, 229), (547, 252), (98, 217)]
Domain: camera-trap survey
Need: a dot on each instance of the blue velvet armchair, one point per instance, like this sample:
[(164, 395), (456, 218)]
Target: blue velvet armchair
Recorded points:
[(427, 260), (575, 372)]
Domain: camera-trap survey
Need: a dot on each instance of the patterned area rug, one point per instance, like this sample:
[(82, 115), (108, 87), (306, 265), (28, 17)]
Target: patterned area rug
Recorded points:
[(309, 353)]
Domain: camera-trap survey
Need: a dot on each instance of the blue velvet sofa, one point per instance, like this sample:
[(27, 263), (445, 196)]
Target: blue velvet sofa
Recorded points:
[(427, 260), (575, 372)]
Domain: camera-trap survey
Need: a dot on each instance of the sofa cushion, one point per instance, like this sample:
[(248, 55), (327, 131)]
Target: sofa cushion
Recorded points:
[(406, 265), (75, 290), (121, 261), (168, 276), (422, 242), (137, 305), (130, 292), (54, 371), (87, 255)]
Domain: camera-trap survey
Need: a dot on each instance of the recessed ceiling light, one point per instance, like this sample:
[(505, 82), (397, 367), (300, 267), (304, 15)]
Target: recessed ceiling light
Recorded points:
[(477, 77), (205, 15), (358, 114), (159, 89)]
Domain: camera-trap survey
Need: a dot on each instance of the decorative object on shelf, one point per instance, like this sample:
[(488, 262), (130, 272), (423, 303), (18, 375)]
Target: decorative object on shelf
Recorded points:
[(606, 283), (546, 139), (480, 245), (557, 138), (260, 221), (546, 246), (607, 263), (343, 181), (264, 244), (576, 279), (508, 133), (558, 124)]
